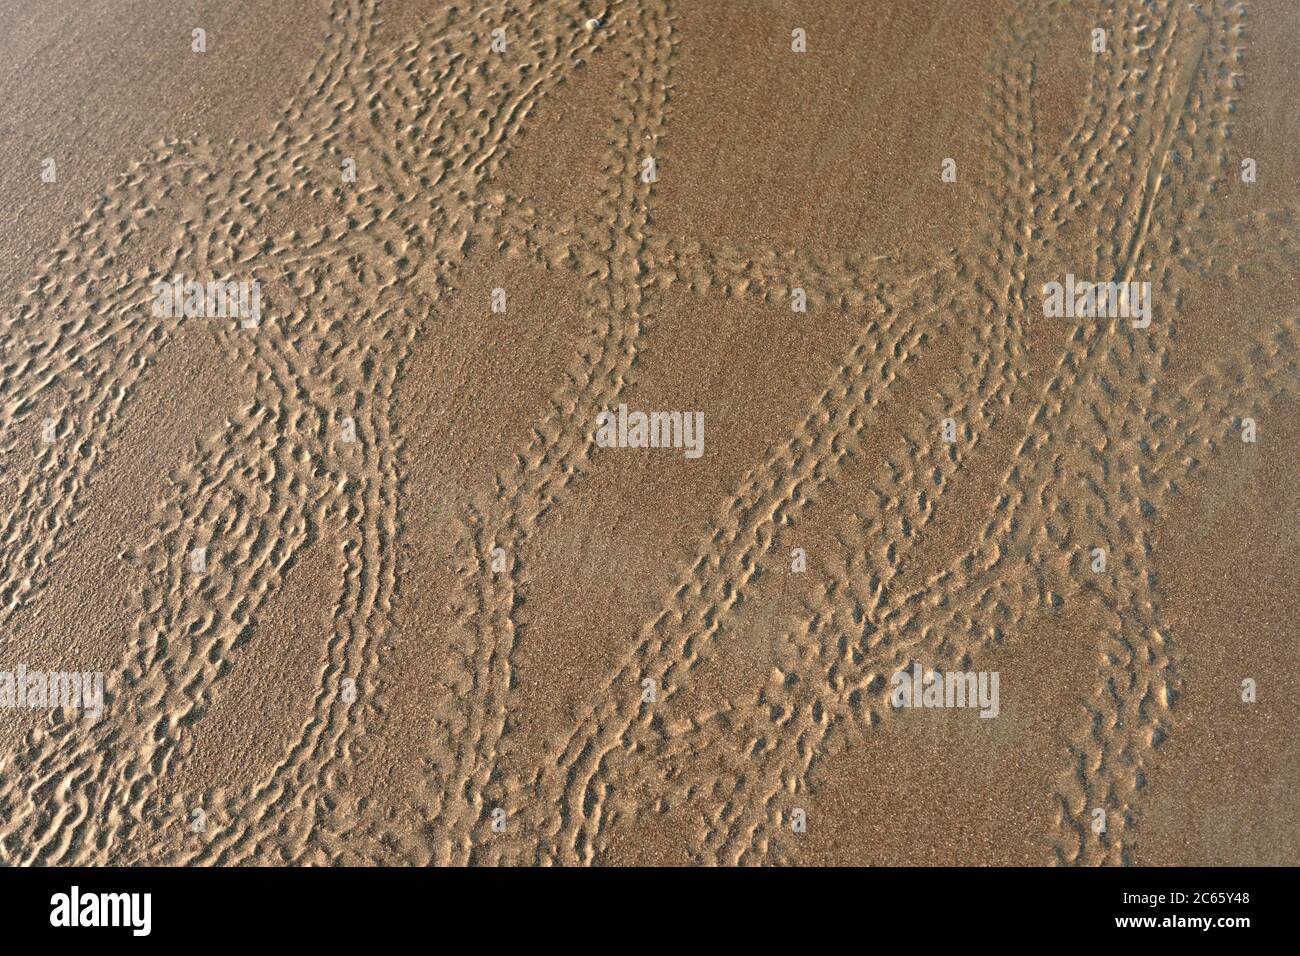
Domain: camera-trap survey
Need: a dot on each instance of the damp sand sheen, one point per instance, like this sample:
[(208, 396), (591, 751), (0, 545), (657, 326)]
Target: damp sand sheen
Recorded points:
[(353, 381)]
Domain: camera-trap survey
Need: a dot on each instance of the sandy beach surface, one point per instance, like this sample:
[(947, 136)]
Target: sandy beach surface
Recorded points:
[(576, 432)]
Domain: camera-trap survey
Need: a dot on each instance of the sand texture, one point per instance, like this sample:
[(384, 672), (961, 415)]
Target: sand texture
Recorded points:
[(365, 585)]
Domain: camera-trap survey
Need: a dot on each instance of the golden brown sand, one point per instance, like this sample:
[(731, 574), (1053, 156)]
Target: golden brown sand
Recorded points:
[(358, 675)]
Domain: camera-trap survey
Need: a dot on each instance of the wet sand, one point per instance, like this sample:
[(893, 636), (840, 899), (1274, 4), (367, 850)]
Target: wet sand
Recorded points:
[(437, 621)]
